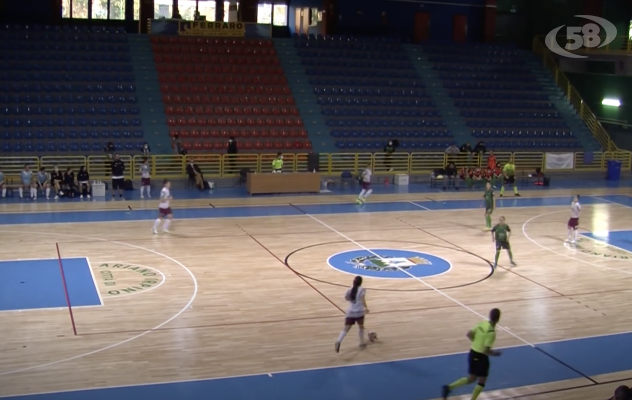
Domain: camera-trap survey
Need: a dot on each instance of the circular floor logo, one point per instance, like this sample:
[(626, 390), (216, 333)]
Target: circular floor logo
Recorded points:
[(389, 263)]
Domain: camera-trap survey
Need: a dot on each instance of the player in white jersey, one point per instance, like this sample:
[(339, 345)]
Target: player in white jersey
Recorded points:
[(164, 210), (145, 179), (573, 222), (365, 182), (356, 296), (26, 176)]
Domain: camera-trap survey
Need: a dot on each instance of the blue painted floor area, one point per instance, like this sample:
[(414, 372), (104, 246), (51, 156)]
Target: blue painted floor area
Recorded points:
[(620, 239), (415, 379), (33, 284), (287, 210)]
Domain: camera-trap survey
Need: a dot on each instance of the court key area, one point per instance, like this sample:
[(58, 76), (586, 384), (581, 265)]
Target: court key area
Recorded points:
[(244, 299)]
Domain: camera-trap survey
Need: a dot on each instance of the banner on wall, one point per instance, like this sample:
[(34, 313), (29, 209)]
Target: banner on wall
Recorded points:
[(207, 28), (204, 28), (559, 161)]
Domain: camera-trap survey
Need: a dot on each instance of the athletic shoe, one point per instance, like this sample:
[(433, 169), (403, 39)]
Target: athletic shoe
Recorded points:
[(517, 194), (155, 232), (513, 264), (81, 197), (337, 347)]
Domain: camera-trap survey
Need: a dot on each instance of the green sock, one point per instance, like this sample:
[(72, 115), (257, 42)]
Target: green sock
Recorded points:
[(510, 255), (458, 383), (488, 220), (497, 256), (515, 189), (502, 190), (478, 389)]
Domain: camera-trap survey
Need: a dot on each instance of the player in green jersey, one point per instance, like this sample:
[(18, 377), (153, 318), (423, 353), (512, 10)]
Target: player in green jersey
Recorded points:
[(500, 235), (509, 173), (489, 205), (482, 337)]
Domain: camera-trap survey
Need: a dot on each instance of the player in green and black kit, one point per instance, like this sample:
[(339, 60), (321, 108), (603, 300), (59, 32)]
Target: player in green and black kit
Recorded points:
[(489, 205), (500, 235)]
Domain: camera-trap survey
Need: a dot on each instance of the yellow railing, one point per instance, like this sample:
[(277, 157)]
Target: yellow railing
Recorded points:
[(573, 96), (216, 165)]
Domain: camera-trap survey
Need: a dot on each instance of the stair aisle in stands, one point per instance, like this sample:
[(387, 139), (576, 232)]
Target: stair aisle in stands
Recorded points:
[(149, 96), (306, 100)]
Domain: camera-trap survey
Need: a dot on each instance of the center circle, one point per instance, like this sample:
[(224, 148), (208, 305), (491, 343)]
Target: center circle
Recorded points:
[(389, 263)]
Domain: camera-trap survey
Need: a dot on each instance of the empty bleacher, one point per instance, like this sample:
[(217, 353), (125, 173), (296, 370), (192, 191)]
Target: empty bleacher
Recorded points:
[(66, 89), (500, 99), (369, 93), (217, 88)]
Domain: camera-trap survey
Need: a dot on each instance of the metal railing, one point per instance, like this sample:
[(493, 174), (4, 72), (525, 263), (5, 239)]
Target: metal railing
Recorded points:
[(573, 96), (332, 164)]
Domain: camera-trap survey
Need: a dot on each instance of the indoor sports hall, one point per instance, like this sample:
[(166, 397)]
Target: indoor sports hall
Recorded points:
[(245, 298)]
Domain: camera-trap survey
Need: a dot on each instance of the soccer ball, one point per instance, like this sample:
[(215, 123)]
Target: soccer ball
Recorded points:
[(372, 336)]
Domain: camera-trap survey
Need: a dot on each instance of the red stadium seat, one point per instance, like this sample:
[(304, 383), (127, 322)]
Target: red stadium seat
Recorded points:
[(205, 133), (208, 145), (218, 145), (215, 133), (247, 145)]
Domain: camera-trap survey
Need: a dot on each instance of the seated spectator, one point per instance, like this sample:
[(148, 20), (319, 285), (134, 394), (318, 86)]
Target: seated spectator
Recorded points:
[(57, 179), (83, 178), (498, 175), (622, 393), (477, 175), (488, 175), (451, 175), (466, 148), (195, 174), (70, 184), (466, 175), (480, 148), (146, 150)]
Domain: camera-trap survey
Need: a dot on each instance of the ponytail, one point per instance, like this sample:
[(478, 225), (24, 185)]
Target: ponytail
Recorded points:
[(357, 282)]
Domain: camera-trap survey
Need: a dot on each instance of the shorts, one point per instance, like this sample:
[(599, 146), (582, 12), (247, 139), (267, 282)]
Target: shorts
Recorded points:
[(354, 320), (510, 180), (573, 223), (145, 181), (489, 208), (478, 364), (118, 183), (163, 212), (502, 245), (42, 184), (365, 185)]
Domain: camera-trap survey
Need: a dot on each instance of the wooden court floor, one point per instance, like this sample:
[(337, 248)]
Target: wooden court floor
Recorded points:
[(223, 302)]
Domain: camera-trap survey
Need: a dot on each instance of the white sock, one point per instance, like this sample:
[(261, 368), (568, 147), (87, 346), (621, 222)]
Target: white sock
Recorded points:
[(47, 192), (33, 192), (167, 223), (142, 189), (361, 195), (570, 233), (157, 224), (574, 234), (20, 192), (361, 334), (148, 188), (368, 193), (4, 192), (341, 336)]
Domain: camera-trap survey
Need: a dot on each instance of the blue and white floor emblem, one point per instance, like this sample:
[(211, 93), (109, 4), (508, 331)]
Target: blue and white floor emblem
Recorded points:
[(389, 263)]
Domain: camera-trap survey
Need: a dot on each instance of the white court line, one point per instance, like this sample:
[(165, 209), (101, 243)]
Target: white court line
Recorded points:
[(40, 259), (524, 232), (193, 296), (418, 279), (419, 205), (94, 281)]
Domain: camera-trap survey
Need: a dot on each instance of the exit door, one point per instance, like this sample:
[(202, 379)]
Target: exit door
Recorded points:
[(422, 27), (459, 28)]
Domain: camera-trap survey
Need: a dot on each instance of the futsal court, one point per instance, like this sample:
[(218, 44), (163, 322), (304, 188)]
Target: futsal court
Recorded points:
[(245, 298)]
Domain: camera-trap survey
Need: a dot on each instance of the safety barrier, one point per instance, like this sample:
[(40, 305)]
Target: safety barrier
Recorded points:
[(216, 165), (573, 96)]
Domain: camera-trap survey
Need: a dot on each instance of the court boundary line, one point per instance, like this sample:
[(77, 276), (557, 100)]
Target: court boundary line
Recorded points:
[(164, 279), (185, 308), (391, 279), (569, 246), (526, 235), (420, 206), (279, 372), (418, 279), (94, 280), (40, 259)]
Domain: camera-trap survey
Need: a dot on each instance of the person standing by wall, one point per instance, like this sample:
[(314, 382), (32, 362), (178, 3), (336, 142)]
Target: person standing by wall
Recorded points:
[(231, 152), (277, 164), (389, 149)]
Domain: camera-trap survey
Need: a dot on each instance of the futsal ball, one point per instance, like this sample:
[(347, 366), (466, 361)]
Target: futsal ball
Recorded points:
[(372, 336)]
